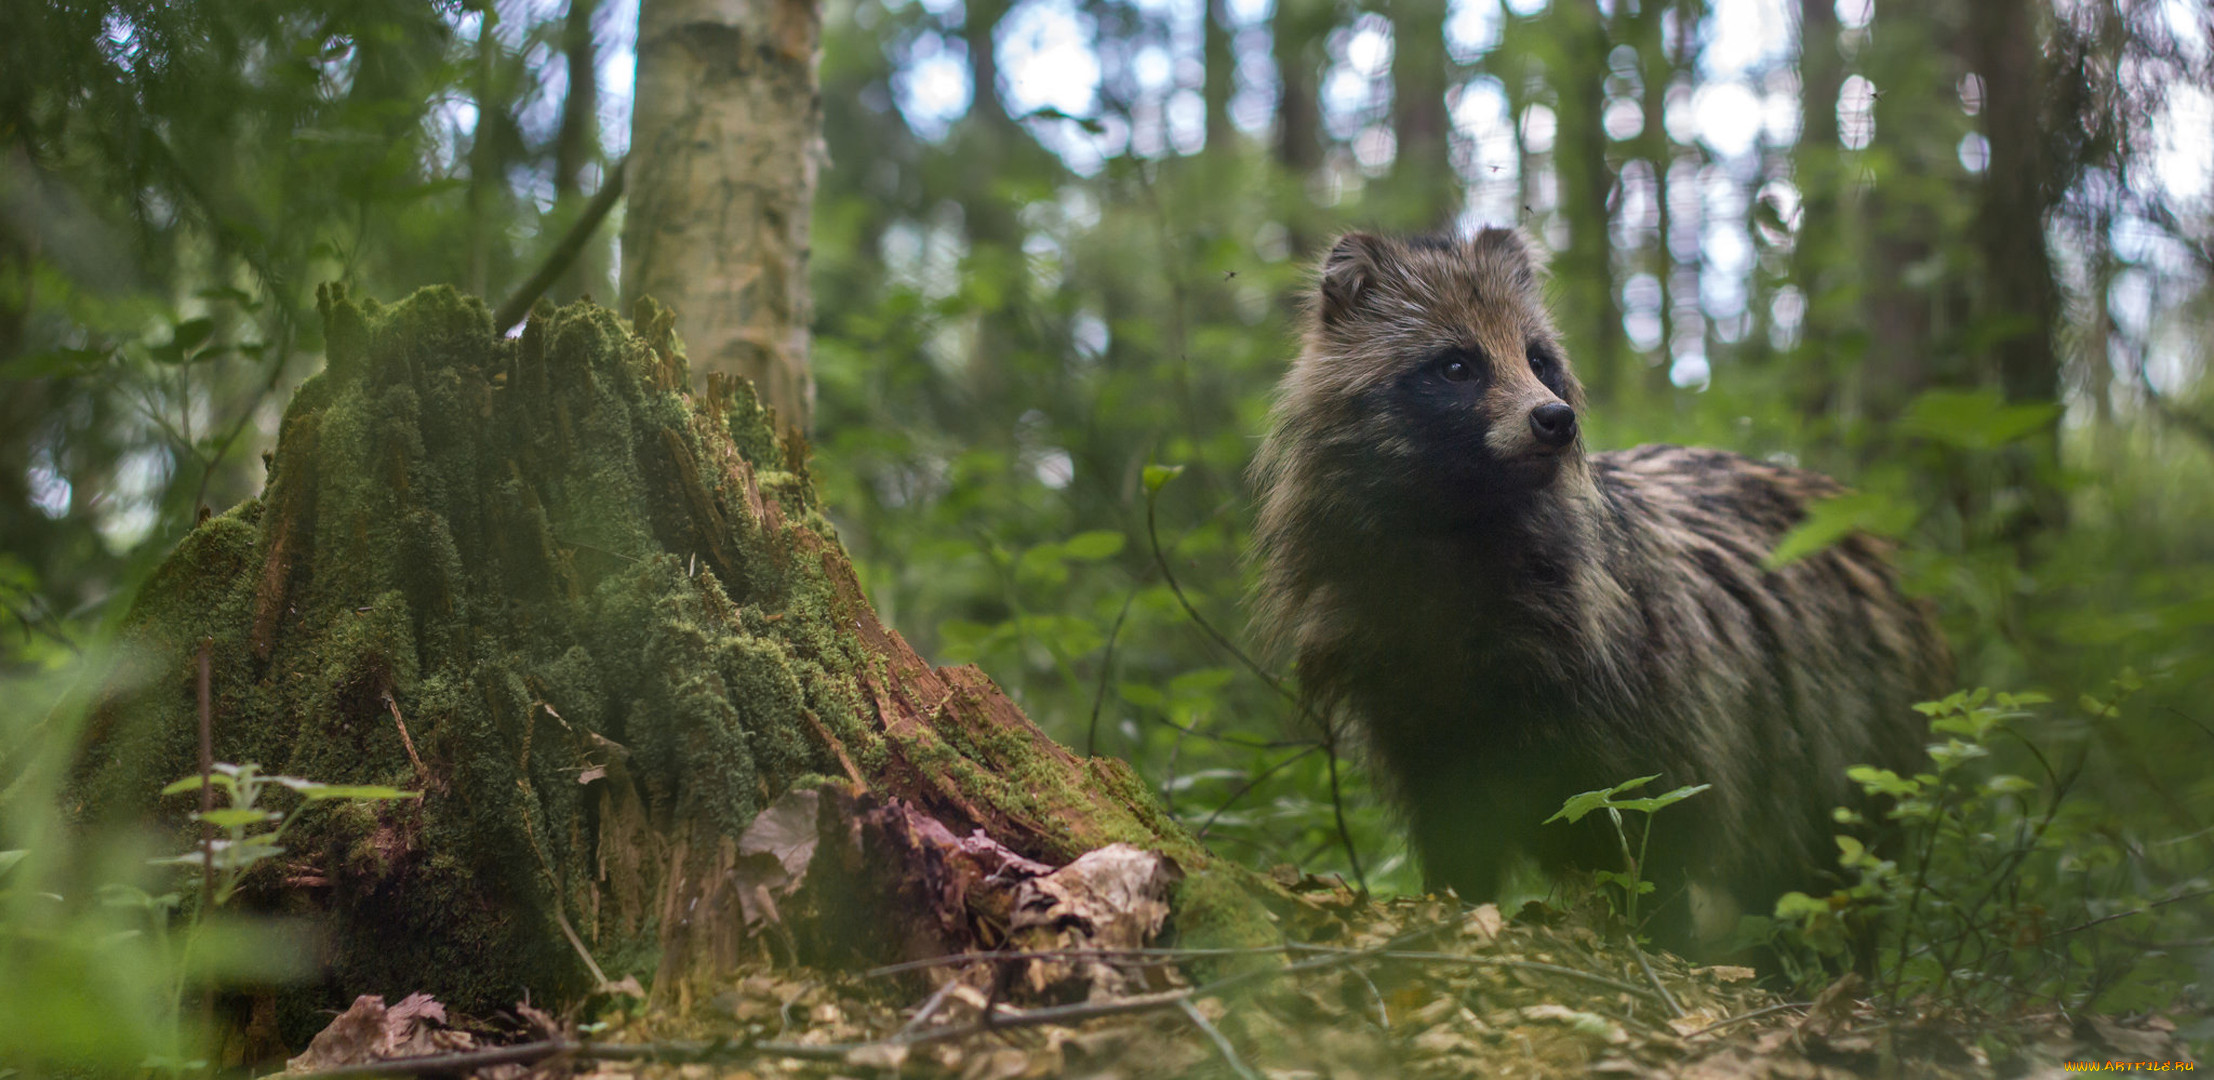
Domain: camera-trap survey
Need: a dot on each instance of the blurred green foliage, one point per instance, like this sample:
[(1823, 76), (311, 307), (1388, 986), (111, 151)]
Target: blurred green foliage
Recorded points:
[(1027, 305), (2002, 890)]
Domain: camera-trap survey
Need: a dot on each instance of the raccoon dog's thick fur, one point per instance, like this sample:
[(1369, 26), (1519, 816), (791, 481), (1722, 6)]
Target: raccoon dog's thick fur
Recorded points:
[(1510, 620)]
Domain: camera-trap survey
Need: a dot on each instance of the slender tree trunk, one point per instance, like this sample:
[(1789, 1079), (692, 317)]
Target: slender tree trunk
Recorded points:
[(1816, 264), (1660, 66), (1297, 33), (484, 153), (1222, 60), (2018, 294), (577, 143), (1586, 269), (988, 135), (1424, 192), (726, 138)]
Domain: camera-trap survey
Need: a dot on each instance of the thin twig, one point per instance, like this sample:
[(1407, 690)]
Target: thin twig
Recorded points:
[(1222, 1045), (1248, 787), (2134, 911), (207, 773), (1135, 957), (1754, 1015), (1107, 669), (1541, 967), (1329, 743), (1383, 1014), (922, 1015), (1235, 740), (422, 775), (557, 263), (207, 805), (1337, 810), (1667, 999)]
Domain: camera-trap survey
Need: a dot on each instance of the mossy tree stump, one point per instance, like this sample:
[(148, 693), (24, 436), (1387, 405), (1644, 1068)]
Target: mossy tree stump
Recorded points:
[(614, 624)]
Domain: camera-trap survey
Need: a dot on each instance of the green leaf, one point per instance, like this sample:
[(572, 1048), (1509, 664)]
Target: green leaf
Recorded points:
[(1141, 695), (358, 792), (1580, 804), (1632, 785), (1656, 802), (192, 783), (1201, 683), (8, 859), (191, 334), (55, 363), (1975, 419), (1798, 905), (1833, 519), (1042, 564), (238, 818), (1158, 476), (1883, 781), (1097, 544)]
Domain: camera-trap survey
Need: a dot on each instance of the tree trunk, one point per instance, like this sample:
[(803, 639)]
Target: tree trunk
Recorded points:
[(1423, 191), (601, 624), (1592, 314), (1221, 77), (725, 145), (1820, 263), (2018, 297), (577, 145), (1296, 35)]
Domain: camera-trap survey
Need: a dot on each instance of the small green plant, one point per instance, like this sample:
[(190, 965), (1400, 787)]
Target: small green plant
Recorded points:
[(2002, 884), (250, 829), (1631, 879)]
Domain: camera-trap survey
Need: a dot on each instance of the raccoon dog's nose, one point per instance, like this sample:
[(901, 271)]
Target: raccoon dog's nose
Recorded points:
[(1554, 424)]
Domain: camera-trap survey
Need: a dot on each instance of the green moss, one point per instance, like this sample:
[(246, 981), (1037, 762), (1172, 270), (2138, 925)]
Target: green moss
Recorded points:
[(544, 561)]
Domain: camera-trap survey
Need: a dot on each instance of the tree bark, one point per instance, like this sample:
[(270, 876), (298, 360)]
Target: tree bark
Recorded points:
[(1585, 272), (1296, 34), (608, 620), (1221, 76), (2018, 296), (577, 144), (1424, 192), (1819, 263), (726, 138)]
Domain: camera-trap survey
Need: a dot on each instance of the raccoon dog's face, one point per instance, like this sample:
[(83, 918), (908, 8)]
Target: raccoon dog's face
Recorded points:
[(1441, 353)]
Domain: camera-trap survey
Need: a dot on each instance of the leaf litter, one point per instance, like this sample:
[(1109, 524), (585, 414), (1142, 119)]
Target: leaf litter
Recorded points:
[(1360, 988)]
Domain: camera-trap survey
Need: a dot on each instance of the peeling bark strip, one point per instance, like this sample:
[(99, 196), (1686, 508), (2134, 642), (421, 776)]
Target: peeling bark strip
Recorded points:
[(618, 628), (726, 140)]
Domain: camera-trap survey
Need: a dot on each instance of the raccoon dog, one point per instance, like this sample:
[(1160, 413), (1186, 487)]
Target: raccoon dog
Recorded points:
[(1509, 620)]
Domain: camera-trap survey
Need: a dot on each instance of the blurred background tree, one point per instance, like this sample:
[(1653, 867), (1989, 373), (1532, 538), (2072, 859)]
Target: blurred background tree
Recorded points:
[(1957, 253)]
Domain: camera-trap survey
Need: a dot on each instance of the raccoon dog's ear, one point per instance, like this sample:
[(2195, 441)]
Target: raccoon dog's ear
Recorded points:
[(1512, 253), (1348, 272)]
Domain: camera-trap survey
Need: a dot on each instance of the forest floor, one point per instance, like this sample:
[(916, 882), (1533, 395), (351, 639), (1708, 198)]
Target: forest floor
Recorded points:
[(1409, 987)]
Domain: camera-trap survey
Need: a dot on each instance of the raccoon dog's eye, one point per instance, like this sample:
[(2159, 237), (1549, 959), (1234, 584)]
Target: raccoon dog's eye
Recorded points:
[(1540, 364), (1456, 370)]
